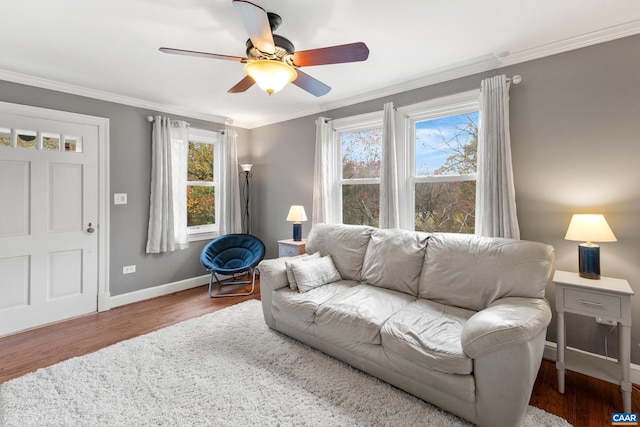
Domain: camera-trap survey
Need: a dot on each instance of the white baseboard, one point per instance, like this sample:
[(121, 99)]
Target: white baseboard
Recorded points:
[(157, 291), (550, 351)]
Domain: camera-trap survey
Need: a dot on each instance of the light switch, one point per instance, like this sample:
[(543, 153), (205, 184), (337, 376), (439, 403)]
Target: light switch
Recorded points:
[(120, 198)]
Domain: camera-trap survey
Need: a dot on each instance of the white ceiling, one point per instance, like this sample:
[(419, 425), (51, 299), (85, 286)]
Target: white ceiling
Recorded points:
[(108, 49)]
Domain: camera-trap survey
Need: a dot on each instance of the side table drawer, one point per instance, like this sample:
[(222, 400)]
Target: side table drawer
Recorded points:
[(597, 304), (286, 250)]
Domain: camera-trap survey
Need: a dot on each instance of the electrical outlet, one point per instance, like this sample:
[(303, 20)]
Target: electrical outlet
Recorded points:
[(120, 198), (128, 269)]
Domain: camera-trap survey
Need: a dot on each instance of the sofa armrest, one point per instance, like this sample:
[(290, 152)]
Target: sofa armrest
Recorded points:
[(507, 321), (273, 274)]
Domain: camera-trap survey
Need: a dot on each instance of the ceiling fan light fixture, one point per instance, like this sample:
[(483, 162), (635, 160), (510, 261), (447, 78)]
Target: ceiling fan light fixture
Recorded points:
[(270, 75)]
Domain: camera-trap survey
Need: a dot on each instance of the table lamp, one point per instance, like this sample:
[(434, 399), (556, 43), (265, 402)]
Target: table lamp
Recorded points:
[(297, 215), (589, 228)]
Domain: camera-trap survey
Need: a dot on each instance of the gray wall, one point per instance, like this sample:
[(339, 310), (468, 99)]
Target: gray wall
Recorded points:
[(130, 157), (575, 143), (575, 148)]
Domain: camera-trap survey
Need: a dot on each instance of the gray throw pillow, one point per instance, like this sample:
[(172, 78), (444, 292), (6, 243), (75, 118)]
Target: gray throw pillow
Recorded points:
[(292, 280), (314, 273)]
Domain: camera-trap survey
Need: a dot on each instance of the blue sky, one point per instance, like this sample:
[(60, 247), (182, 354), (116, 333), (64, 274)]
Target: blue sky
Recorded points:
[(430, 151)]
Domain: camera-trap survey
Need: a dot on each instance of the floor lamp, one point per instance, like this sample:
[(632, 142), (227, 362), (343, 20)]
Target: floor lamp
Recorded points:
[(246, 217)]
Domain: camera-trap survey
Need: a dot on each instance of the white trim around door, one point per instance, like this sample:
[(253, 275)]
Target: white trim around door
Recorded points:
[(102, 124)]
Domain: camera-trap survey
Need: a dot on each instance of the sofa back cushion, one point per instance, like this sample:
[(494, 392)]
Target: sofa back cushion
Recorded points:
[(394, 260), (345, 243), (471, 272)]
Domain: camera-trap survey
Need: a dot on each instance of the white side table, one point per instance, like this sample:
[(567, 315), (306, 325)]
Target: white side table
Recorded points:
[(608, 300), (290, 247)]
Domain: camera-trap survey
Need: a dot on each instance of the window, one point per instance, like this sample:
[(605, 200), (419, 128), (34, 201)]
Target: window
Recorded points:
[(17, 138), (436, 165), (441, 142), (359, 142), (203, 177)]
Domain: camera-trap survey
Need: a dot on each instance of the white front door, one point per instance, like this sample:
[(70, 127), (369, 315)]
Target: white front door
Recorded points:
[(48, 221)]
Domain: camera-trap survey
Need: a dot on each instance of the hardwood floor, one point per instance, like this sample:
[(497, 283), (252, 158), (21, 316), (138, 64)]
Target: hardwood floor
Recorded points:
[(587, 401)]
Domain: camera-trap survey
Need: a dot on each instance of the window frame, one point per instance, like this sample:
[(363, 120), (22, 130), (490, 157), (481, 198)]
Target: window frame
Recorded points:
[(357, 123), (407, 116), (461, 103), (208, 231)]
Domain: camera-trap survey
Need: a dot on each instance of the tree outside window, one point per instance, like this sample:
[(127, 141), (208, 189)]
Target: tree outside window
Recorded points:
[(436, 148), (445, 173), (201, 185), (361, 153)]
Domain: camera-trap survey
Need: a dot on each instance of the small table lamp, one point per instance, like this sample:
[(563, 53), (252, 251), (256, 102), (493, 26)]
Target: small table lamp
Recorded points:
[(589, 228), (297, 215)]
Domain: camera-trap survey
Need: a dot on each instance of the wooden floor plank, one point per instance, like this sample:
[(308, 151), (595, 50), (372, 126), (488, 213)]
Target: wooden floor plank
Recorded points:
[(586, 402)]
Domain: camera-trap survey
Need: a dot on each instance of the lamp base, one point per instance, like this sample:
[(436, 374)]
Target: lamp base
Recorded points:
[(297, 232), (589, 261)]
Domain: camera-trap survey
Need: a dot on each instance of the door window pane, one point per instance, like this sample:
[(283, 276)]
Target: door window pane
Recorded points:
[(361, 204), (73, 143), (445, 206), (26, 139), (5, 137), (51, 142)]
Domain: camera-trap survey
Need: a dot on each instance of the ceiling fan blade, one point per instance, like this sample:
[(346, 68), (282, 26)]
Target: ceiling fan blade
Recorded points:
[(256, 22), (201, 54), (352, 52), (242, 85), (310, 84)]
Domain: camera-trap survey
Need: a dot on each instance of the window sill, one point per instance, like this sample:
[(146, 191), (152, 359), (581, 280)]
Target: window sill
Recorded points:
[(203, 235)]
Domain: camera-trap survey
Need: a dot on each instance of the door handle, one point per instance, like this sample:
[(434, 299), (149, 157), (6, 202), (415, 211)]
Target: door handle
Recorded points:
[(90, 229)]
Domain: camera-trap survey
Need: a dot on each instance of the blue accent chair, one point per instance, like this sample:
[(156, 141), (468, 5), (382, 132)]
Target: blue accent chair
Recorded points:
[(232, 255)]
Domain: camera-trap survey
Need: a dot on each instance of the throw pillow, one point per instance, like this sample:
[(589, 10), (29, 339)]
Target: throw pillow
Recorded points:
[(314, 273), (292, 280)]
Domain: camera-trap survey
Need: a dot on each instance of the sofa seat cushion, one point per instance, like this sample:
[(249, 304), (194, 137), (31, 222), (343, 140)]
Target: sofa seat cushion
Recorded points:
[(429, 334), (359, 312), (303, 306)]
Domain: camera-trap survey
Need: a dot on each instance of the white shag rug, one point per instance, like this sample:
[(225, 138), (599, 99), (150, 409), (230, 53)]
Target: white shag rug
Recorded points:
[(226, 368)]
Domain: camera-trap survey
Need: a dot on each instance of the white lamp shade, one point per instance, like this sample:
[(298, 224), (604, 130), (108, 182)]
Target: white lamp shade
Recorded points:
[(270, 75), (589, 228), (246, 167), (297, 214)]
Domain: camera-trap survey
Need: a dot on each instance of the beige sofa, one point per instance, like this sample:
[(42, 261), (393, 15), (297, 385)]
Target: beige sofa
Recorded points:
[(457, 320)]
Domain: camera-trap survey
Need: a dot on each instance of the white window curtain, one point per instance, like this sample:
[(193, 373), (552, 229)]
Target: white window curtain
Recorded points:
[(168, 208), (229, 211), (324, 175), (389, 211), (495, 191)]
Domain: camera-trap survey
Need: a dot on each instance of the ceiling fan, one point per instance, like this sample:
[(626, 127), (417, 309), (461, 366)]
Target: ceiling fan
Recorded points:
[(272, 61)]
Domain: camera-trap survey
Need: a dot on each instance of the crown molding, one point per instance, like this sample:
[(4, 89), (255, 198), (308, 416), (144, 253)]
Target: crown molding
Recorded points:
[(27, 80), (467, 68), (474, 66), (627, 29)]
